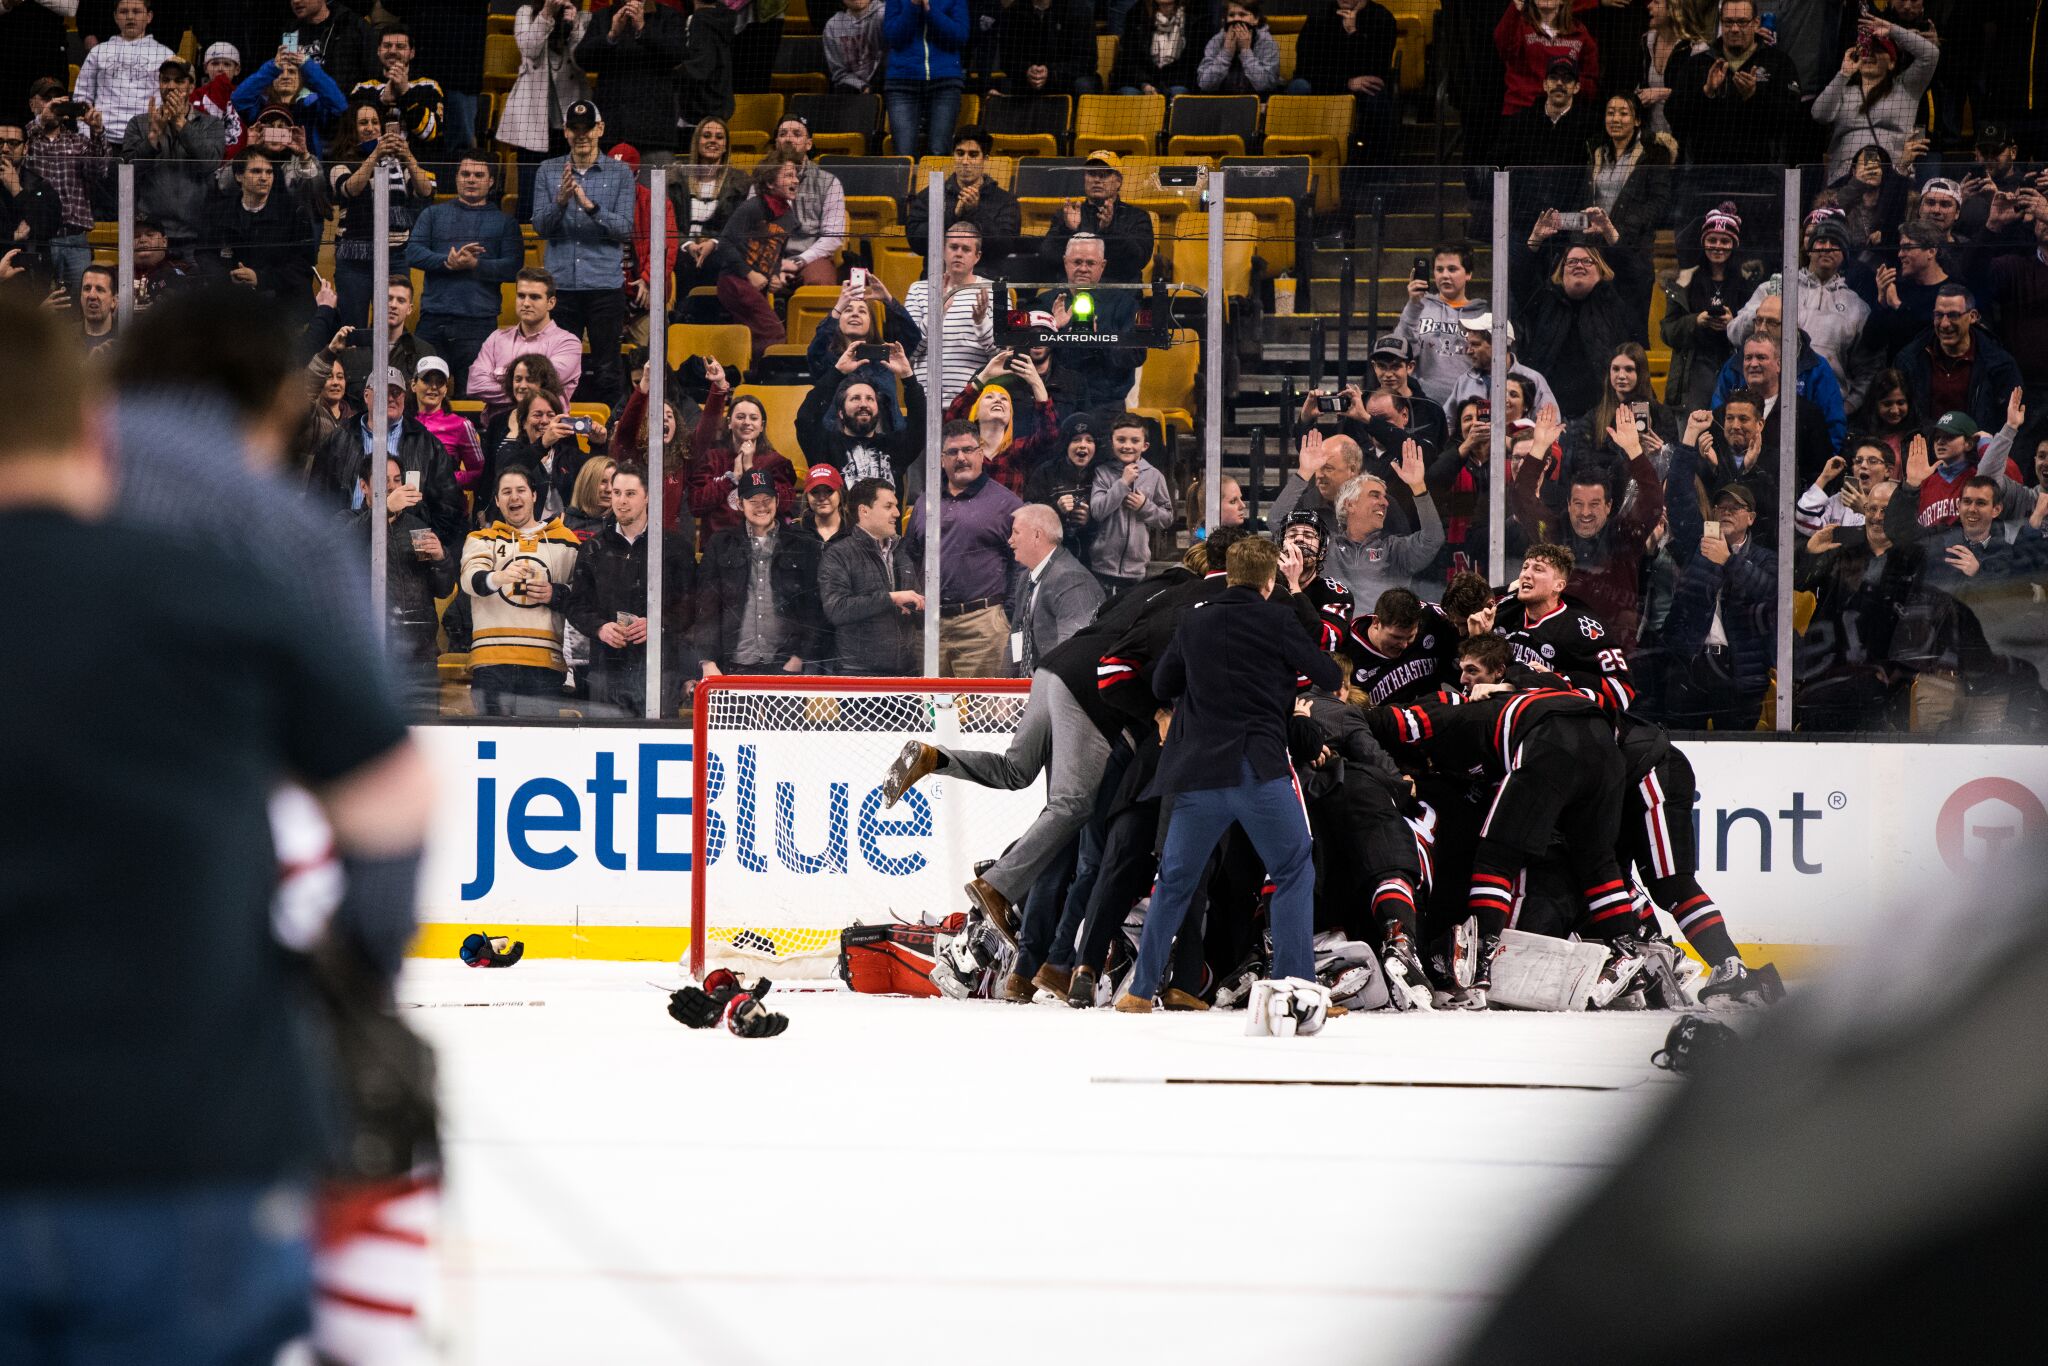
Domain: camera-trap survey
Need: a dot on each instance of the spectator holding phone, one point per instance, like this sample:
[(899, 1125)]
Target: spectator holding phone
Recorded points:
[(382, 163), (550, 80), (466, 249), (262, 240), (732, 441), (1013, 443), (1700, 300), (339, 464), (848, 344), (351, 345), (847, 423), (548, 448), (517, 573), (67, 147), (1870, 102), (421, 570), (301, 85)]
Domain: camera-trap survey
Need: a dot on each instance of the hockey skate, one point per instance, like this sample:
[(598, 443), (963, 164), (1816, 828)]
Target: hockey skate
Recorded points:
[(1407, 985), (1659, 981), (1618, 979), (1733, 983)]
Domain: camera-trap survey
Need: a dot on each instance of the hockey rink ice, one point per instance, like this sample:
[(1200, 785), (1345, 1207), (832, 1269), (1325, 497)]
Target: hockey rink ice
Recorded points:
[(898, 1180)]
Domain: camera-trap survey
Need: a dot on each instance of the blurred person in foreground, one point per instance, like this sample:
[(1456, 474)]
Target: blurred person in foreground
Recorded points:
[(162, 1116), (1885, 1130)]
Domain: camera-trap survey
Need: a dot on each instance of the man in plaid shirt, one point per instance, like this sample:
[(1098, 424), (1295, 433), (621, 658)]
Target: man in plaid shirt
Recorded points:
[(71, 156), (119, 75)]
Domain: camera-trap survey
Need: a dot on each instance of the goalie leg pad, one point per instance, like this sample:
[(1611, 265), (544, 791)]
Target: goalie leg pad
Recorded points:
[(1536, 972)]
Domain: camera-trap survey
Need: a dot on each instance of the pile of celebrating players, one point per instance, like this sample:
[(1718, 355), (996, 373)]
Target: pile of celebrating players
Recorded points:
[(1489, 824)]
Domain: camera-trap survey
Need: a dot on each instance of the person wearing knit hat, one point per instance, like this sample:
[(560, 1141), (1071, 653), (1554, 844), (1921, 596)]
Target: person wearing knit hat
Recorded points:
[(1700, 301)]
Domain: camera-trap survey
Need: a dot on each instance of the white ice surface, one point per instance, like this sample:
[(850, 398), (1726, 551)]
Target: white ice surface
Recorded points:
[(910, 1181)]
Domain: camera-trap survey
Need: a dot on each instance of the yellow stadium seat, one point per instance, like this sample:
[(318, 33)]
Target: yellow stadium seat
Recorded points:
[(1001, 169), (1127, 124), (501, 61), (730, 344), (809, 306), (871, 215), (1105, 57), (1318, 125), (498, 23), (899, 267), (1025, 145), (471, 408), (1287, 43), (1166, 382), (781, 402), (1035, 215), (1191, 256)]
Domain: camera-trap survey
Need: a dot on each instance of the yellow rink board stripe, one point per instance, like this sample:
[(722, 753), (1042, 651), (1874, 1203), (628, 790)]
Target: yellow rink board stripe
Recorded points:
[(667, 943)]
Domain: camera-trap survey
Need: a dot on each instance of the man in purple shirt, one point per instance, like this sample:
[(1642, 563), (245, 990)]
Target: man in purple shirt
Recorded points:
[(974, 558)]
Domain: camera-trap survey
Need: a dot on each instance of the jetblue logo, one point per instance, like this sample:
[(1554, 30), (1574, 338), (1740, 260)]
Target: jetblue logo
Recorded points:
[(541, 823), (551, 808), (870, 829)]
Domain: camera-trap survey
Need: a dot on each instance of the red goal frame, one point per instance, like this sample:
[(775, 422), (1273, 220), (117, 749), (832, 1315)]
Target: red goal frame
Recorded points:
[(700, 737)]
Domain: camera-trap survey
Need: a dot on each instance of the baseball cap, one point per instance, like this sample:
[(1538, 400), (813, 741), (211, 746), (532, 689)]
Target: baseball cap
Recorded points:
[(1039, 317), (394, 378), (755, 482), (221, 52), (1736, 493), (1104, 157), (582, 114), (1562, 66), (1397, 347), (1993, 137), (823, 476), (1484, 323), (1942, 185), (1957, 424), (430, 365)]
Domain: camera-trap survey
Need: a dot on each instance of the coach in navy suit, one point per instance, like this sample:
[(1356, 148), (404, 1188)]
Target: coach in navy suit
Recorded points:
[(1232, 672)]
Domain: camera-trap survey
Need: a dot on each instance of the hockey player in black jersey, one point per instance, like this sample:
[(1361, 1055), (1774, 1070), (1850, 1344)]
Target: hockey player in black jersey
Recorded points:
[(1552, 752), (1547, 631), (1403, 651), (1304, 531)]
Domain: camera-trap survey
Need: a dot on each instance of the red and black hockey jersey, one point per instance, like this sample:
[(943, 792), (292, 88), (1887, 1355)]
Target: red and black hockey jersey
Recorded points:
[(1430, 662), (1334, 608), (1482, 736), (1570, 641)]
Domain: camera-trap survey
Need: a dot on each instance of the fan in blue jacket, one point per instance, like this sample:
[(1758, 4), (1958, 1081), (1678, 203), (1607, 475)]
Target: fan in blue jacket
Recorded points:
[(925, 38)]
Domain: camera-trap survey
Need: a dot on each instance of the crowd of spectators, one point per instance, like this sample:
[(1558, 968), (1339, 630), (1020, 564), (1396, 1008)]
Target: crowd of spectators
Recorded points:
[(1640, 131)]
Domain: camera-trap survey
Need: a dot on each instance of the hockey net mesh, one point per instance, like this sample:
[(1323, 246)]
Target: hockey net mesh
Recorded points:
[(793, 841)]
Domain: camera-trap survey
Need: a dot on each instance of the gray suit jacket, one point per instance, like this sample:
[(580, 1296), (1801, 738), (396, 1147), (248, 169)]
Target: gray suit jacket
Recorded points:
[(1064, 601)]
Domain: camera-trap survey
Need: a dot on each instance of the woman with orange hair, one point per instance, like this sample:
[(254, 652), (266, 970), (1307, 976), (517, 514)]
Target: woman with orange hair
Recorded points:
[(990, 401)]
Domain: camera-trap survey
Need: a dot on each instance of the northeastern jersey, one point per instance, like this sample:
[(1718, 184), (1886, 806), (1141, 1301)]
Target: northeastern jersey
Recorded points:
[(1473, 737), (1429, 662), (1571, 642), (1334, 605)]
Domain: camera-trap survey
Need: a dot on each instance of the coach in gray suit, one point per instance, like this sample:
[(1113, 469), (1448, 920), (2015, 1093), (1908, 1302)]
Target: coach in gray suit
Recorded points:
[(1054, 595)]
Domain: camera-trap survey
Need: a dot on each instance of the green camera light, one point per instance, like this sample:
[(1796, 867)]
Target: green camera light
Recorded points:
[(1083, 307)]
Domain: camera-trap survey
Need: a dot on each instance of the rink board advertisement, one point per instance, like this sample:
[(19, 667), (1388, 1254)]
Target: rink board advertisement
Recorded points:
[(580, 839)]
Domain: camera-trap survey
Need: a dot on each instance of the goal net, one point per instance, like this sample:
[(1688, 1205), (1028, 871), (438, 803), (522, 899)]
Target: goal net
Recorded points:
[(792, 843)]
